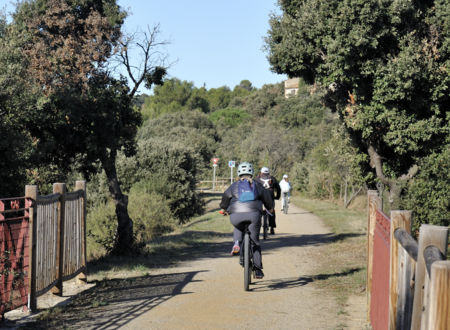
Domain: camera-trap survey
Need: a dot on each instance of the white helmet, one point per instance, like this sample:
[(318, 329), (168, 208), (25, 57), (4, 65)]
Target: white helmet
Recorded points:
[(265, 170), (285, 176), (245, 168)]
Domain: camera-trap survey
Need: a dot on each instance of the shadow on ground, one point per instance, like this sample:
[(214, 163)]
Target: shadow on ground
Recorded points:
[(287, 283), (111, 304)]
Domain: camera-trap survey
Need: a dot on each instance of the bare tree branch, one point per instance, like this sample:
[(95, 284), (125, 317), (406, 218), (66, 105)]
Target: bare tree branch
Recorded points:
[(142, 54)]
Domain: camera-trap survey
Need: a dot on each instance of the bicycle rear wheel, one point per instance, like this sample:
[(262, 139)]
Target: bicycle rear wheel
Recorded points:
[(247, 269), (265, 226)]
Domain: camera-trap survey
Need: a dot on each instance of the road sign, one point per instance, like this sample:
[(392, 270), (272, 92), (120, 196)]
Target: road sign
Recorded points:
[(231, 163), (215, 161)]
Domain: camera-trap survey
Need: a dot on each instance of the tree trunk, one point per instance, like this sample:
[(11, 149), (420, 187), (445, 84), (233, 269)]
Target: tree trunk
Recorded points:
[(395, 185), (124, 243)]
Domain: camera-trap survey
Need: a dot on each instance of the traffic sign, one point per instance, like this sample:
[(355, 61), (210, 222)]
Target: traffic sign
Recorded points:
[(215, 161), (231, 163)]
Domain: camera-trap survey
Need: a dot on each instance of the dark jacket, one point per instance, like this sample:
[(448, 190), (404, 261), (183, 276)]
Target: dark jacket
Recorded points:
[(271, 184), (230, 200)]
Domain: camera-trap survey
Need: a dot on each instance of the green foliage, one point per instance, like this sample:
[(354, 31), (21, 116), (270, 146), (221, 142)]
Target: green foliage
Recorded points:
[(192, 129), (428, 195), (169, 169), (219, 98), (172, 96), (229, 117), (101, 229), (385, 66), (150, 212)]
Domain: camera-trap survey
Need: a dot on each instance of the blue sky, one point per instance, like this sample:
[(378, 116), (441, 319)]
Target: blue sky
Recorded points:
[(214, 42)]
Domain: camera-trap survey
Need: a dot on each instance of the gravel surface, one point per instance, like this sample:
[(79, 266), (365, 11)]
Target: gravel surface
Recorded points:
[(208, 293), (214, 297)]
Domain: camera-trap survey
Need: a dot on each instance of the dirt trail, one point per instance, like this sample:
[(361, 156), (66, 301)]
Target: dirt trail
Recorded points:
[(207, 292), (285, 299)]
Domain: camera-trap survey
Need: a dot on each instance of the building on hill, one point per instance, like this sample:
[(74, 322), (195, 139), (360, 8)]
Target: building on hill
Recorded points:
[(291, 87)]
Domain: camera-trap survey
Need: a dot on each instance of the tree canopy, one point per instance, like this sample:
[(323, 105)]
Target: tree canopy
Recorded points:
[(385, 67)]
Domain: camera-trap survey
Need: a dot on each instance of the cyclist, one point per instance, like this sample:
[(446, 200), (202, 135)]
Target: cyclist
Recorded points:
[(271, 184), (243, 200), (285, 187)]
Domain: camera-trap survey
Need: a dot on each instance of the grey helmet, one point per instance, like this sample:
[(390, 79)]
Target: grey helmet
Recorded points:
[(245, 168)]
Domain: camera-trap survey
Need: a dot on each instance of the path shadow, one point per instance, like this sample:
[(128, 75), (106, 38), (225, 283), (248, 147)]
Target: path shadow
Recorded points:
[(282, 240), (293, 282), (169, 255), (111, 304)]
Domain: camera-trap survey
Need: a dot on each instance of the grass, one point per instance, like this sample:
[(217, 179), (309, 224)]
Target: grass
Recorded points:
[(168, 250), (347, 253)]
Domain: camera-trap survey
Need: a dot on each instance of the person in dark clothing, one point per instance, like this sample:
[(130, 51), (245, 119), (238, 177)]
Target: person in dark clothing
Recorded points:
[(271, 184), (245, 205)]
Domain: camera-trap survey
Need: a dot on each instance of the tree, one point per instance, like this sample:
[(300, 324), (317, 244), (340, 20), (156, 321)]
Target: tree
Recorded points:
[(88, 112), (385, 67)]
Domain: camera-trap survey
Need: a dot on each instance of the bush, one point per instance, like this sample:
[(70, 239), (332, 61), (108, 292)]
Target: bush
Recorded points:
[(150, 213), (101, 228), (428, 194), (170, 169)]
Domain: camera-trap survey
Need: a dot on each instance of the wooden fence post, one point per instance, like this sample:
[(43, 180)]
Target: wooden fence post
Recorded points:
[(399, 219), (31, 192), (81, 185), (428, 235), (439, 302), (374, 204), (60, 188)]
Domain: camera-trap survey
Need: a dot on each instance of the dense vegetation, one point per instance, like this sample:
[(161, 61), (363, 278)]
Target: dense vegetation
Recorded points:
[(385, 67), (372, 106)]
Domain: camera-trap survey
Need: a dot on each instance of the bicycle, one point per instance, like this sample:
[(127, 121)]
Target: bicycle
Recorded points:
[(265, 224), (285, 202), (247, 257)]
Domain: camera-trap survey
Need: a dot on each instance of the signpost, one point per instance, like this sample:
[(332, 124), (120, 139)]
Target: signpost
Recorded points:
[(231, 164), (215, 161)]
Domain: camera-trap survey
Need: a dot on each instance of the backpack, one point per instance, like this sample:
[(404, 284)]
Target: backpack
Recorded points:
[(246, 191), (267, 183)]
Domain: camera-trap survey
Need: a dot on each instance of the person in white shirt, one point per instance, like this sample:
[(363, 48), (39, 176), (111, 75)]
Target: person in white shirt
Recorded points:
[(285, 187)]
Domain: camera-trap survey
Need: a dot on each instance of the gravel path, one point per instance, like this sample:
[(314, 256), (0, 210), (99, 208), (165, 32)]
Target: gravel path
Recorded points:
[(207, 292), (214, 298)]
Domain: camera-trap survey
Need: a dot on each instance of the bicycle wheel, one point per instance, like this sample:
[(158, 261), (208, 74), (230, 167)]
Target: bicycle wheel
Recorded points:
[(247, 269), (285, 206), (265, 226)]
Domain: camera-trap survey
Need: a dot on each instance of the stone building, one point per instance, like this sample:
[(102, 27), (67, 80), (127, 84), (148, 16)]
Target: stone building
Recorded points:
[(291, 87)]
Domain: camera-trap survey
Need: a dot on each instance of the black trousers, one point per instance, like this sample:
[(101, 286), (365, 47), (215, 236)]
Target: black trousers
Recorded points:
[(272, 222)]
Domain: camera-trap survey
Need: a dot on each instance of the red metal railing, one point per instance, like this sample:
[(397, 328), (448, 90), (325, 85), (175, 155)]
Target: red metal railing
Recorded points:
[(379, 302), (14, 253)]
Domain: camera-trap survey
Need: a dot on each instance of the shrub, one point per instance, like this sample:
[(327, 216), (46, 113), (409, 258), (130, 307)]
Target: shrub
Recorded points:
[(101, 229), (150, 213), (428, 194)]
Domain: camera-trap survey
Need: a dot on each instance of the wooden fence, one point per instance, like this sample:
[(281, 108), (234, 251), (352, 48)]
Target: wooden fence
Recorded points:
[(408, 282), (55, 228), (221, 184), (14, 253)]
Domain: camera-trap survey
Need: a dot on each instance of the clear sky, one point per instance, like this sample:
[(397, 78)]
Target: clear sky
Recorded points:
[(212, 42)]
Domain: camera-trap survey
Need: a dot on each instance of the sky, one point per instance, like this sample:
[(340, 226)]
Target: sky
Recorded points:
[(213, 43)]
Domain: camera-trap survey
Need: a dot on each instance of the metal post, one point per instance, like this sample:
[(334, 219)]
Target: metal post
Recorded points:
[(231, 178), (214, 177)]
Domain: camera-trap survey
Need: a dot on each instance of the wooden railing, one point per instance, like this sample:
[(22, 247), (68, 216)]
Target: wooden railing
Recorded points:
[(56, 232), (221, 184), (418, 276)]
